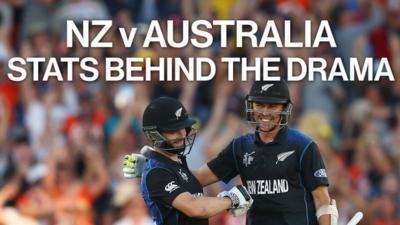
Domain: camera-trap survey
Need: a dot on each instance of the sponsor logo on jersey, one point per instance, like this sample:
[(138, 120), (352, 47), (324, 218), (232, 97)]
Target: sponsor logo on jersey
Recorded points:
[(282, 156), (183, 175), (270, 187), (171, 186), (320, 173), (265, 87), (248, 159)]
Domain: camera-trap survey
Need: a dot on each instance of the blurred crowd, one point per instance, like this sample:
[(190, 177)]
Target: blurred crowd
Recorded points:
[(62, 143)]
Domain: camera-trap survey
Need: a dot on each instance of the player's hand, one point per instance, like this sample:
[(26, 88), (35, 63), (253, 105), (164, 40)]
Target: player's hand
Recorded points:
[(240, 198), (330, 210), (133, 164)]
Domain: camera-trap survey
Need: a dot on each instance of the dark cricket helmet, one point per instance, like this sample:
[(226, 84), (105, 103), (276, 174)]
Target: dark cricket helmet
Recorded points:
[(167, 114), (271, 92)]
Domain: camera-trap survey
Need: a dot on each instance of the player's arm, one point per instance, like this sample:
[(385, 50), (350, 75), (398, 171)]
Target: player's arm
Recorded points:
[(316, 181), (162, 186), (222, 167), (327, 212), (322, 200), (205, 207), (205, 176), (200, 207)]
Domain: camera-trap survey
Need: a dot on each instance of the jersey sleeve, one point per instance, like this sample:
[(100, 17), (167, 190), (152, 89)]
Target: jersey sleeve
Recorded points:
[(163, 186), (224, 166), (313, 168)]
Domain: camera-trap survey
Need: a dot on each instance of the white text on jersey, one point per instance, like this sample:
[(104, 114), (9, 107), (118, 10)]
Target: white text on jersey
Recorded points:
[(262, 187)]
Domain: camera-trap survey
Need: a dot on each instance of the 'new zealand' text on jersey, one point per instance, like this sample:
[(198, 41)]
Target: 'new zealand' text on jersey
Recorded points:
[(162, 181), (280, 176)]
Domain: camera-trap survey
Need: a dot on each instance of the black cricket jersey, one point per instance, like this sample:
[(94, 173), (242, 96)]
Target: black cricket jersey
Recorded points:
[(162, 181), (280, 176)]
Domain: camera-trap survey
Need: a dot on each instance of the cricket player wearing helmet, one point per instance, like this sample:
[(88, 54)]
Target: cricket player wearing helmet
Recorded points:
[(171, 192), (281, 167)]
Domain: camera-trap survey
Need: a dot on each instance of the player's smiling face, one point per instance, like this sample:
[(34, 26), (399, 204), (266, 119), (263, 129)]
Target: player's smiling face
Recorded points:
[(267, 115), (176, 138)]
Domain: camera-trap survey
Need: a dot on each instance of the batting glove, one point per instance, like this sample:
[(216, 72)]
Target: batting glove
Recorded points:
[(133, 164), (240, 198)]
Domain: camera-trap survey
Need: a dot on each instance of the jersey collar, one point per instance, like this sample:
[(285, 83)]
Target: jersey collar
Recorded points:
[(280, 138), (159, 157)]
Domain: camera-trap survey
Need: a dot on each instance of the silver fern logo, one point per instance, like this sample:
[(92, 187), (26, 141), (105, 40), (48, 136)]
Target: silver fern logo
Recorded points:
[(248, 158), (282, 156), (265, 87), (178, 113)]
